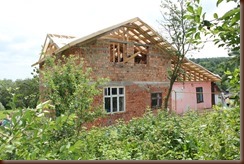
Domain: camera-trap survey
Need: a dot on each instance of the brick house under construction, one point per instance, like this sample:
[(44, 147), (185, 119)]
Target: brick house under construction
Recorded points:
[(132, 55)]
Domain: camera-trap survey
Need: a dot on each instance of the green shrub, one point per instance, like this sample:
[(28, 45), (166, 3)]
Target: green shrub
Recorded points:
[(71, 89), (193, 136), (1, 107)]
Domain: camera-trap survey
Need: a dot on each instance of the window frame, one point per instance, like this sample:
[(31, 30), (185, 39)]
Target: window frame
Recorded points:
[(159, 100), (116, 49), (110, 95), (199, 94)]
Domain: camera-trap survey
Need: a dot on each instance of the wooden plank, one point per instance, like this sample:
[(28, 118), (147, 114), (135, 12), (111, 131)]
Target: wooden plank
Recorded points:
[(133, 56), (118, 52), (111, 39), (123, 35), (113, 52), (124, 52), (140, 37)]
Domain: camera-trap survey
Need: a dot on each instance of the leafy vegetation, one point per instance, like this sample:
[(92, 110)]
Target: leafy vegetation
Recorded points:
[(177, 27), (1, 107), (193, 136), (225, 31), (70, 89), (217, 65), (3, 113), (19, 93)]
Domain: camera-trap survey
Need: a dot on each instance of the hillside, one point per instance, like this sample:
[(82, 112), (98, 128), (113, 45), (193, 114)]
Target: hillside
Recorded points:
[(217, 65)]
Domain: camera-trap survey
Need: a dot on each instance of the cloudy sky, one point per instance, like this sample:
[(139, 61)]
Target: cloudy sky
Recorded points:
[(25, 23)]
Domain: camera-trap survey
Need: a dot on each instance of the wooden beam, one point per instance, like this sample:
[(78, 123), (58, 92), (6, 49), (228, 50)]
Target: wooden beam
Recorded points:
[(113, 52), (133, 56), (124, 42), (140, 37), (118, 52)]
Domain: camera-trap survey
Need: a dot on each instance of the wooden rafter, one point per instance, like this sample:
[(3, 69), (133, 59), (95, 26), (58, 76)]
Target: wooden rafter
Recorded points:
[(137, 31)]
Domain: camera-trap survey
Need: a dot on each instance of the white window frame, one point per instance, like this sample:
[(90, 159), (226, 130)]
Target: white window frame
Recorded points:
[(111, 96)]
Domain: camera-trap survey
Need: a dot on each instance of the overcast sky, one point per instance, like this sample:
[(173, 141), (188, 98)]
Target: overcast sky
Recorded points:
[(25, 23)]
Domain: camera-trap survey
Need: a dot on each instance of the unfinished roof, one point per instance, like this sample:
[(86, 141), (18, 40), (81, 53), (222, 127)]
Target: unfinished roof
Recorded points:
[(136, 28), (138, 31), (195, 72), (61, 40), (52, 43)]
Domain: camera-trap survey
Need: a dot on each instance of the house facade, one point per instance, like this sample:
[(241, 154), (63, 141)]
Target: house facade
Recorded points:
[(132, 55), (196, 90)]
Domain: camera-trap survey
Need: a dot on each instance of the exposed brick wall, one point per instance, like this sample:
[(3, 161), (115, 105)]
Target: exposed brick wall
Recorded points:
[(138, 99), (96, 55)]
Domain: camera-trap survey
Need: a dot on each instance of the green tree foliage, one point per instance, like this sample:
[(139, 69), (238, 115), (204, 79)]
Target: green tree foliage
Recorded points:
[(193, 136), (217, 65), (28, 92), (1, 107), (235, 86), (225, 31), (177, 27), (5, 95), (19, 93), (71, 89)]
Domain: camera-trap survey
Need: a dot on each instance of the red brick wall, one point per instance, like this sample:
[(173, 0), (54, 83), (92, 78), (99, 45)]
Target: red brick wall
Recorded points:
[(96, 55), (138, 99), (138, 96)]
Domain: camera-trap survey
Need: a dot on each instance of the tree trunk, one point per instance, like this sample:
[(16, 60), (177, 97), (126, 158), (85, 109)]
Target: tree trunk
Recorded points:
[(168, 94)]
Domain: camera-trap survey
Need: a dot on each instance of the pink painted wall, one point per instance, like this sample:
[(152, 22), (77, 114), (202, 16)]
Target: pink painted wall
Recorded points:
[(184, 96)]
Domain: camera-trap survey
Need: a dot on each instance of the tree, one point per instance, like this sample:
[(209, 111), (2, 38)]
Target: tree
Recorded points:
[(28, 92), (217, 65), (225, 31), (70, 88), (178, 28), (19, 93), (5, 97)]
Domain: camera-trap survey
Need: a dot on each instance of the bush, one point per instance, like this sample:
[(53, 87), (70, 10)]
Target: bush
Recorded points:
[(1, 107), (71, 89), (193, 136)]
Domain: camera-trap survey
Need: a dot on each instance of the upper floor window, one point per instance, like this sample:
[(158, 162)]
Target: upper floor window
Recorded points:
[(199, 94), (117, 52), (142, 53), (137, 53), (156, 100), (114, 99)]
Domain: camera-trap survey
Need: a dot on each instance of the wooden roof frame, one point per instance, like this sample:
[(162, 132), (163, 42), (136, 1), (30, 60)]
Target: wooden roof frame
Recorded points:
[(145, 36)]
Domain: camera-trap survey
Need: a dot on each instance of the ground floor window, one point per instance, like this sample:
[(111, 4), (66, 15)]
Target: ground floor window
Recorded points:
[(114, 99), (199, 91), (156, 100)]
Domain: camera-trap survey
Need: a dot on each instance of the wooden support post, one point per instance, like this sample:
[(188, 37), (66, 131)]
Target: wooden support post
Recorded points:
[(133, 56), (113, 52), (118, 52)]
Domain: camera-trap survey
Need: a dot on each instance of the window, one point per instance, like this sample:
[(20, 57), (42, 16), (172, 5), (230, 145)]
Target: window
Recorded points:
[(114, 99), (141, 58), (199, 91), (156, 100), (117, 52)]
